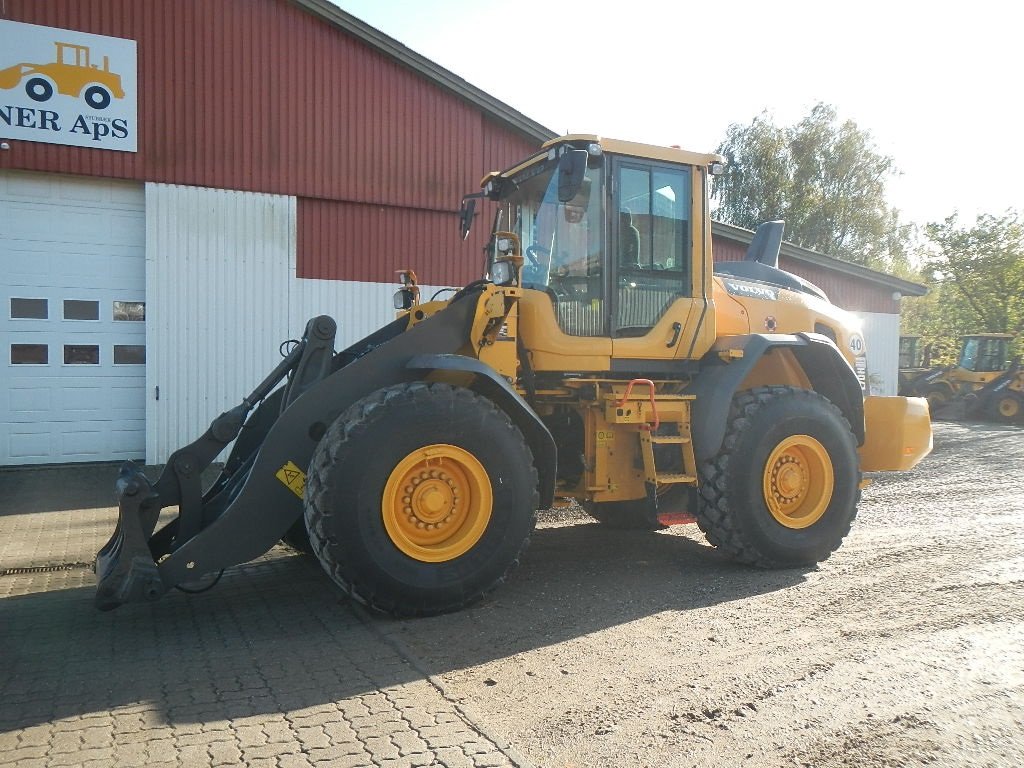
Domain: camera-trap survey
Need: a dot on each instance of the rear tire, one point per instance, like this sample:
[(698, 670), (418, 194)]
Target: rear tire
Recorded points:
[(420, 498), (783, 490)]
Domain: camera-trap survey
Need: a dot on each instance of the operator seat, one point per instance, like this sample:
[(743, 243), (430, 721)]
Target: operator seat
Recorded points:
[(629, 237)]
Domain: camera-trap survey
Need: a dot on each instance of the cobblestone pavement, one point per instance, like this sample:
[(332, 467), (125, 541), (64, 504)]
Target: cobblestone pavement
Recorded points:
[(273, 668)]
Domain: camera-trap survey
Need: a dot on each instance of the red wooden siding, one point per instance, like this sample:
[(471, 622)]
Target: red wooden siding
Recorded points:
[(727, 250), (340, 240), (260, 95), (353, 241), (846, 291)]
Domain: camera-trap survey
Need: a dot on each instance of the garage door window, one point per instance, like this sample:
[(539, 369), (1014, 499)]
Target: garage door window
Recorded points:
[(29, 354), (129, 354), (75, 309), (81, 354), (130, 310), (29, 309)]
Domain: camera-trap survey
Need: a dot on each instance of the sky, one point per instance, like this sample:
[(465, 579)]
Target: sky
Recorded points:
[(938, 85)]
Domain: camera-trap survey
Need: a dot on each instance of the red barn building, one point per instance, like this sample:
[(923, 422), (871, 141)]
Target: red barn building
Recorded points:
[(183, 184)]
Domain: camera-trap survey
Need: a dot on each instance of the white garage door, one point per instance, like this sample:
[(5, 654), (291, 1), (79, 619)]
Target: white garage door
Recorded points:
[(72, 319)]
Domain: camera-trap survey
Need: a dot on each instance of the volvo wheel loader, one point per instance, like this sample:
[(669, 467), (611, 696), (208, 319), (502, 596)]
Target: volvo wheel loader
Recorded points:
[(599, 359), (983, 383)]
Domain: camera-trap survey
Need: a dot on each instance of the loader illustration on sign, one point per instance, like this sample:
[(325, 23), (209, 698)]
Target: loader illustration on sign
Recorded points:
[(72, 74)]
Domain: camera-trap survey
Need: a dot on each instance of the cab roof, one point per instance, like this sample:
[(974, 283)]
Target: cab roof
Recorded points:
[(612, 147)]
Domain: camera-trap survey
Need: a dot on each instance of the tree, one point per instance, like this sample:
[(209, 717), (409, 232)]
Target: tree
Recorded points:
[(826, 179), (940, 319), (983, 266), (975, 276)]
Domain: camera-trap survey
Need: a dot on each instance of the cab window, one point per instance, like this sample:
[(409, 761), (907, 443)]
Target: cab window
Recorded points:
[(653, 236)]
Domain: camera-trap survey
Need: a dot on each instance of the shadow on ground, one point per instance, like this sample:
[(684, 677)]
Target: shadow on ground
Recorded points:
[(60, 488), (276, 635)]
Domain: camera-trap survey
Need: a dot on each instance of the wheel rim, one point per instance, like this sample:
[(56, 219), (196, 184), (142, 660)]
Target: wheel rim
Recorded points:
[(437, 503), (936, 399), (798, 481), (1009, 408)]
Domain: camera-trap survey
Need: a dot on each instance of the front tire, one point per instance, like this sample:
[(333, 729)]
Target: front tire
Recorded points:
[(420, 498), (783, 490), (937, 397), (1007, 408)]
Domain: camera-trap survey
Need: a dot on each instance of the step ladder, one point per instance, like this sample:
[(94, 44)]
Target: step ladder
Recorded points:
[(649, 413)]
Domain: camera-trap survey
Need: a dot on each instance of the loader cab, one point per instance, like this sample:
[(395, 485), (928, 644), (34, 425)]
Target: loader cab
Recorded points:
[(986, 353), (615, 262)]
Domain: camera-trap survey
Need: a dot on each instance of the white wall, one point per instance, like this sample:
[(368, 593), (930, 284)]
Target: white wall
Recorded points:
[(222, 295), (882, 337)]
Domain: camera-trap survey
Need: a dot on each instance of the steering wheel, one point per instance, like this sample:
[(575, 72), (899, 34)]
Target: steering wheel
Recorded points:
[(535, 272)]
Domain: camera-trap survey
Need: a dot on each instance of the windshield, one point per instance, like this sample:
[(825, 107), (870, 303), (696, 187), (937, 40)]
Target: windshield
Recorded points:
[(983, 355), (560, 240)]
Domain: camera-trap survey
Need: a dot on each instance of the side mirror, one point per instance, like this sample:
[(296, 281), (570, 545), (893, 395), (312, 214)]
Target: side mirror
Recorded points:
[(571, 169), (466, 215), (404, 298)]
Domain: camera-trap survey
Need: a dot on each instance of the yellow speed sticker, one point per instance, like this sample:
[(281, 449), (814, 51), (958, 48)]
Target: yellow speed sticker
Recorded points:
[(605, 436), (293, 477)]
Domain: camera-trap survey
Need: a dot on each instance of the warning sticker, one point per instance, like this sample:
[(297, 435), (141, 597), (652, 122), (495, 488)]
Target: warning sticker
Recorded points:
[(293, 477)]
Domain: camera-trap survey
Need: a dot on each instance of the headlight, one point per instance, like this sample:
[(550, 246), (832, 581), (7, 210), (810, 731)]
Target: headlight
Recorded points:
[(502, 272), (403, 298)]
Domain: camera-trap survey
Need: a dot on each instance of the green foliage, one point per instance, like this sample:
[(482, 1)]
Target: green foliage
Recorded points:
[(940, 320), (976, 277), (826, 179)]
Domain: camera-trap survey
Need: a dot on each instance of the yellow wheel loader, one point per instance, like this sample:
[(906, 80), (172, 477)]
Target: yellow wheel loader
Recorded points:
[(984, 382), (599, 359)]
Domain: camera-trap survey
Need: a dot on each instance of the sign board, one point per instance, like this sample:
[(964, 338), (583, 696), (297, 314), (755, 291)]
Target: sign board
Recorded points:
[(59, 86)]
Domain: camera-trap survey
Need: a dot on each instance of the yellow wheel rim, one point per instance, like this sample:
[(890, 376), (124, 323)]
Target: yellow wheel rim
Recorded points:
[(1009, 407), (798, 481), (437, 503)]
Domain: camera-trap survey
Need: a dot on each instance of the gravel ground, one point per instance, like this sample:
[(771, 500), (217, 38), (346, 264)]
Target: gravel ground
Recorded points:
[(605, 648), (649, 649)]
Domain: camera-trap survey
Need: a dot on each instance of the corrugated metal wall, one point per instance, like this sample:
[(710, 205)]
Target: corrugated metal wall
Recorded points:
[(222, 293), (217, 275), (882, 339)]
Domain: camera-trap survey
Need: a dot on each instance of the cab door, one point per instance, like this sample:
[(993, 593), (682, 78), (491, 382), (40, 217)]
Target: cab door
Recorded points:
[(658, 296)]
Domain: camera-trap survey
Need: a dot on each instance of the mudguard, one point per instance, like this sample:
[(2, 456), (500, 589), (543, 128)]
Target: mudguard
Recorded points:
[(494, 386), (721, 375)]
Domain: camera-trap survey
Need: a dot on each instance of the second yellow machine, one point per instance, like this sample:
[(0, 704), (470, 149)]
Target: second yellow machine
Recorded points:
[(600, 358)]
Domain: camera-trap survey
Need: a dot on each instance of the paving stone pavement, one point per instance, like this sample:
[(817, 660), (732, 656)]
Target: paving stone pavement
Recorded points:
[(273, 668)]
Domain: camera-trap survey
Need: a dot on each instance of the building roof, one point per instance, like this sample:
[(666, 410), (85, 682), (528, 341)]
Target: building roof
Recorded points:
[(795, 252), (351, 25)]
